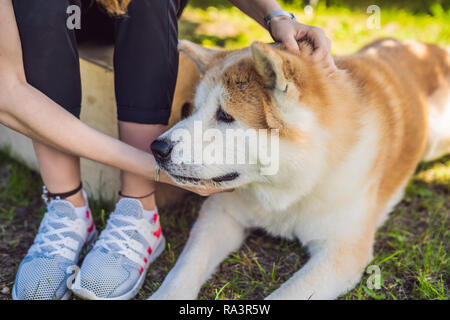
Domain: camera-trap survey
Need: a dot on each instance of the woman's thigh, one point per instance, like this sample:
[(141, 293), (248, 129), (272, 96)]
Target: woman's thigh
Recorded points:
[(146, 61), (49, 49)]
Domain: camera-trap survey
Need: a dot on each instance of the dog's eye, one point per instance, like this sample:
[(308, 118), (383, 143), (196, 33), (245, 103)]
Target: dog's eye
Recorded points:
[(223, 116)]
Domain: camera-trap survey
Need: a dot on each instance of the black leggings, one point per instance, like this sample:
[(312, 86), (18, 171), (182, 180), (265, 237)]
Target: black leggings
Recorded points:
[(145, 56)]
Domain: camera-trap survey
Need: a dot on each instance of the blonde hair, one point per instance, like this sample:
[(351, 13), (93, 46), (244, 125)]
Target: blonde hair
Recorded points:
[(115, 7)]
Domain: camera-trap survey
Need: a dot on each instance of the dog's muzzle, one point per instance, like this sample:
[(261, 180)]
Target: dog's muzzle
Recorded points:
[(161, 150)]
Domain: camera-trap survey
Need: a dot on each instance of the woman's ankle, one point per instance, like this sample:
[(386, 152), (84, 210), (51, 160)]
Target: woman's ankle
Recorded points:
[(148, 203), (77, 200)]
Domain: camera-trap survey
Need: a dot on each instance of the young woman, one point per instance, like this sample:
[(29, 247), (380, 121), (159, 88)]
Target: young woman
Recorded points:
[(40, 96)]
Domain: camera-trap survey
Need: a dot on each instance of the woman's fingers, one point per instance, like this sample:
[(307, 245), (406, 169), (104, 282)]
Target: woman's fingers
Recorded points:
[(323, 49), (284, 31), (291, 44), (288, 32), (204, 192), (322, 52), (319, 54), (329, 66)]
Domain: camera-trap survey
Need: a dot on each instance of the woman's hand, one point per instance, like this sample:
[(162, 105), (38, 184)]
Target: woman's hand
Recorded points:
[(288, 31), (205, 192), (202, 191)]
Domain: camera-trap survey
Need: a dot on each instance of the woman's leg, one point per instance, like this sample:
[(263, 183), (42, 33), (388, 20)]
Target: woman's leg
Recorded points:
[(145, 73), (145, 66), (60, 172), (139, 136), (29, 111), (51, 65)]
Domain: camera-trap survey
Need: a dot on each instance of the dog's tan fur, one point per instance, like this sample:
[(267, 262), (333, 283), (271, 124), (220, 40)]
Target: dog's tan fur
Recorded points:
[(187, 81), (351, 141)]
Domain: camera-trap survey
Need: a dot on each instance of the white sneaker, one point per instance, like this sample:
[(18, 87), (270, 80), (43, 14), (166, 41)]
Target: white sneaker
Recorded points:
[(115, 268), (45, 271)]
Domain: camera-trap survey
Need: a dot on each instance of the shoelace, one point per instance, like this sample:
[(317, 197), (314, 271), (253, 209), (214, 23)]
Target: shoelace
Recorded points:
[(65, 246), (122, 237)]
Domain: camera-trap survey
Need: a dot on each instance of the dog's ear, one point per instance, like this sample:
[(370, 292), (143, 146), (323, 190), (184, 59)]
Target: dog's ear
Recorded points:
[(269, 64), (202, 56)]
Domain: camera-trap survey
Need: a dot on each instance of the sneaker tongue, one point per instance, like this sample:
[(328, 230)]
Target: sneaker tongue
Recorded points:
[(129, 207), (62, 209)]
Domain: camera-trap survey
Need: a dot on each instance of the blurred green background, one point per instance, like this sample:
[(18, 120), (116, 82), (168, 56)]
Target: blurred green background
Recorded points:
[(217, 23)]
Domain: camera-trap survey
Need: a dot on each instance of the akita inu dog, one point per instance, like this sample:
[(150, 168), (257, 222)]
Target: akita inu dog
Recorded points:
[(348, 144)]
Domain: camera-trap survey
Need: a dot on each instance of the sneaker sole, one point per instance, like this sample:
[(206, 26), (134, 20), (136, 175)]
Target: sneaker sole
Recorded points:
[(89, 295), (66, 295)]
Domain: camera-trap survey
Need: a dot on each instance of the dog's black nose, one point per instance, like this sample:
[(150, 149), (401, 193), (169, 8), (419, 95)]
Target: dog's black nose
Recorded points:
[(161, 149)]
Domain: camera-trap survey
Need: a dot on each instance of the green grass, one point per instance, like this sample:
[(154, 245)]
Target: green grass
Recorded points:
[(19, 186), (411, 249)]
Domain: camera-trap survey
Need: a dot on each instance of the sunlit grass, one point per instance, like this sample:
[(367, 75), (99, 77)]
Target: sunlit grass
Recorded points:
[(439, 172)]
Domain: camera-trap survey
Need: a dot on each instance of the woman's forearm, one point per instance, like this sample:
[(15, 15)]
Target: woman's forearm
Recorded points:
[(38, 117), (257, 9)]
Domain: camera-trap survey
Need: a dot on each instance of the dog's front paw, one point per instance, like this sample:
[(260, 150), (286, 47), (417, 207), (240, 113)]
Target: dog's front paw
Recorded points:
[(274, 296), (283, 293), (159, 295)]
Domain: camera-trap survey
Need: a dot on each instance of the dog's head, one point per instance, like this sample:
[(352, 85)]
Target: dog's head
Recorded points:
[(261, 91)]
